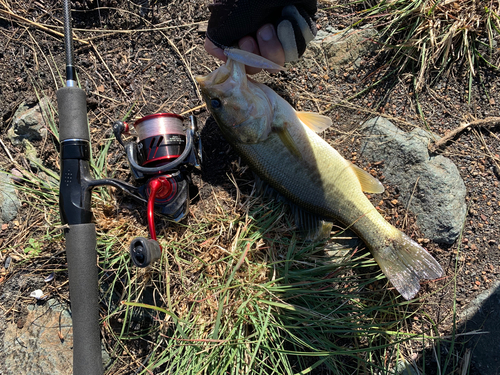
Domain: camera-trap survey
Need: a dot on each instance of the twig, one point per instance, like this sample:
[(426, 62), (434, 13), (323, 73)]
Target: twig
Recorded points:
[(193, 109), (7, 151), (488, 121), (38, 25), (107, 68)]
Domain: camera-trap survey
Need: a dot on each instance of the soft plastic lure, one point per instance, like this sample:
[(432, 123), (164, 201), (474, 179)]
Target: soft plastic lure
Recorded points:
[(251, 59)]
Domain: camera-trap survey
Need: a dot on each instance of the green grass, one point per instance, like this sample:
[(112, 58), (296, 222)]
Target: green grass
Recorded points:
[(236, 291), (256, 301)]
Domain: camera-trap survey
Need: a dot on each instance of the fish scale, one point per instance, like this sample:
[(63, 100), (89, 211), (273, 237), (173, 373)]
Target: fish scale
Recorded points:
[(307, 188)]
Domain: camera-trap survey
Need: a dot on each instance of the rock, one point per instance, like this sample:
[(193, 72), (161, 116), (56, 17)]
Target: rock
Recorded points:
[(405, 368), (340, 47), (30, 122), (430, 186), (41, 343), (9, 203)]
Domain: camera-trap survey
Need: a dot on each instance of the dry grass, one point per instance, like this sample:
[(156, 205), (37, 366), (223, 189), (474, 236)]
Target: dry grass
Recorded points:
[(428, 37), (235, 291)]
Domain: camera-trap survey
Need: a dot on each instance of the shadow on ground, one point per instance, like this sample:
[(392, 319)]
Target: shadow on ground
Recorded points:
[(483, 316)]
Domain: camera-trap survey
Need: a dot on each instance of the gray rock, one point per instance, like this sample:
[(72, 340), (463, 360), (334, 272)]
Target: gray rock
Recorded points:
[(9, 203), (480, 322), (43, 344), (430, 186), (340, 47), (405, 368), (29, 122)]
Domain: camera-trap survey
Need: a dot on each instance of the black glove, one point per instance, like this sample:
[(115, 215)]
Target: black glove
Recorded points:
[(231, 20)]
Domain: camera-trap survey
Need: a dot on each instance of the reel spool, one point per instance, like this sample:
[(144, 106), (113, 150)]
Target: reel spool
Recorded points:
[(161, 161), (161, 138)]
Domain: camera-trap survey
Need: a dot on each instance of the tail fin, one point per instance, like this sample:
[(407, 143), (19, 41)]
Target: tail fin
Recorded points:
[(404, 262)]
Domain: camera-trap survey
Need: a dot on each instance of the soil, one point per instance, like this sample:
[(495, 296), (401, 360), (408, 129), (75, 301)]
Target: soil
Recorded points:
[(129, 69)]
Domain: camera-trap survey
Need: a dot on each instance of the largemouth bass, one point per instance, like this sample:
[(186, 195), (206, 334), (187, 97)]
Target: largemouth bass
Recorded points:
[(281, 146)]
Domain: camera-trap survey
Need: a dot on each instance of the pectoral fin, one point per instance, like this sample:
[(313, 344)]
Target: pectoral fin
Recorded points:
[(314, 121), (369, 184), (288, 141)]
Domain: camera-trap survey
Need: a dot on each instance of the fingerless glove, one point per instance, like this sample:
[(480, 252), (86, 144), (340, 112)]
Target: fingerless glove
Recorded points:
[(231, 20)]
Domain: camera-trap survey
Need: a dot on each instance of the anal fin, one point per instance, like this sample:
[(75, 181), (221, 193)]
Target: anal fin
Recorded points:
[(310, 226)]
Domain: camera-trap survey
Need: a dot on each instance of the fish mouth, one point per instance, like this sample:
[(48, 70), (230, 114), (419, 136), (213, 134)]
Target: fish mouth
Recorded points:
[(222, 74), (218, 76)]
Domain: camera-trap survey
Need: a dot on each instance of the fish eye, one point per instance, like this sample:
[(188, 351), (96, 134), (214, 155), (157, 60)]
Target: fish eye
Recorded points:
[(216, 103)]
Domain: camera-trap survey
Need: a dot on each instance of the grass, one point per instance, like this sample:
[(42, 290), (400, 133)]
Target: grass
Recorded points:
[(236, 291), (430, 37)]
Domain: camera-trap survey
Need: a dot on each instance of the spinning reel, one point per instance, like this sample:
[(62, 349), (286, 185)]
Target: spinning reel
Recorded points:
[(161, 162)]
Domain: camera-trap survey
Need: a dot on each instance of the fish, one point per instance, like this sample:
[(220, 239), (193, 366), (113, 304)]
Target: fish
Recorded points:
[(283, 148)]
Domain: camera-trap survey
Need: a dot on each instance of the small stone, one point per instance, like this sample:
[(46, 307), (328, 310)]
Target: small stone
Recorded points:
[(9, 202), (29, 122)]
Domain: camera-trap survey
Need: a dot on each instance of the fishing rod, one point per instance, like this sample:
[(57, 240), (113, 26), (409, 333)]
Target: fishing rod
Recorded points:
[(75, 207), (161, 160)]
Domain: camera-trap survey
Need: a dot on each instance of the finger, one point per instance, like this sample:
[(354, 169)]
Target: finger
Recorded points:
[(213, 50), (249, 44), (270, 46)]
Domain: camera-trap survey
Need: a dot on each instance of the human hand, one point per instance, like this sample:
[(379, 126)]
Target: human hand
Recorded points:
[(278, 30)]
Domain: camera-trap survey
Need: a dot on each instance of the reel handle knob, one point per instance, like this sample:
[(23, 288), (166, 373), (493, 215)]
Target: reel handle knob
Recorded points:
[(144, 251)]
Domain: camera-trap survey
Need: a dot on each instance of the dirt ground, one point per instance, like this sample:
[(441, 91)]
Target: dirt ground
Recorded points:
[(136, 60)]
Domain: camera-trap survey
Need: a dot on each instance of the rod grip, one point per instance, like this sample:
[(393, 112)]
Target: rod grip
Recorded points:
[(84, 295), (72, 106)]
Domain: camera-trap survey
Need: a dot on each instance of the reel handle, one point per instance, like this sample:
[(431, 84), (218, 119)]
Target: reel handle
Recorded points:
[(144, 251)]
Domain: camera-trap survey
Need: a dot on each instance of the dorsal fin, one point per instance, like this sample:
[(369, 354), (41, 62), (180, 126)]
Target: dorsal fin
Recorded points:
[(369, 184), (311, 226), (314, 121), (251, 59)]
